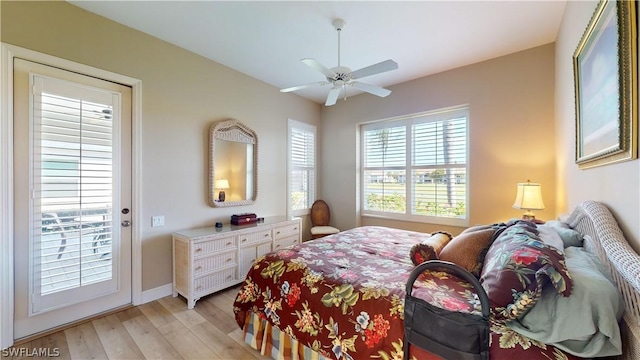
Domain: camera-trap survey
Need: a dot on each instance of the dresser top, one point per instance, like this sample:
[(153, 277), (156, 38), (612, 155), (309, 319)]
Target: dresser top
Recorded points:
[(227, 227)]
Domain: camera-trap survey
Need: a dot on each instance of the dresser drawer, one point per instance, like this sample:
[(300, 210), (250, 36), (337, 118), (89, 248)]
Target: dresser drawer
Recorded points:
[(254, 237), (284, 242), (207, 264), (213, 282), (201, 248), (286, 230)]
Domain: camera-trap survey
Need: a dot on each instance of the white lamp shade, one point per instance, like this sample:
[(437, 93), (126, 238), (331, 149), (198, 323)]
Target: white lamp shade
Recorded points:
[(529, 196), (222, 184)]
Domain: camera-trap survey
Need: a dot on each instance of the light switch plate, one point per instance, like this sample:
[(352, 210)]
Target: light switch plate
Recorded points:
[(157, 221)]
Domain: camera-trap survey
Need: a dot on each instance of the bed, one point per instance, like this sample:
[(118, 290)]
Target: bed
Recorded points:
[(342, 296)]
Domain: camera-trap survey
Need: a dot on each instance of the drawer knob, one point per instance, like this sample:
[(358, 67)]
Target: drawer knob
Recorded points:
[(229, 277), (198, 268), (229, 259), (277, 246), (277, 232), (229, 243), (198, 250), (295, 228), (244, 240), (267, 235)]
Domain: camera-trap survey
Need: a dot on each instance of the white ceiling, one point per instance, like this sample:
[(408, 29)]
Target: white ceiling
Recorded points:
[(267, 39)]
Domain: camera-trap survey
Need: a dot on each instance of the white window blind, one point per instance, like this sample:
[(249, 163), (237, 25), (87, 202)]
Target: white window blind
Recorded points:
[(72, 186), (415, 167), (302, 167)]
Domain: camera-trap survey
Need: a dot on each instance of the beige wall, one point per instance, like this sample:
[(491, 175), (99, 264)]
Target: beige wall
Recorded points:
[(615, 185), (182, 94), (511, 135)]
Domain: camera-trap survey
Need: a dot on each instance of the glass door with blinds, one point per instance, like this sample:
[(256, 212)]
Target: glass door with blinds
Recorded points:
[(70, 244)]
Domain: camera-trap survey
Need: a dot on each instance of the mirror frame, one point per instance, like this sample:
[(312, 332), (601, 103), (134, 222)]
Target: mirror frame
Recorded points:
[(231, 130)]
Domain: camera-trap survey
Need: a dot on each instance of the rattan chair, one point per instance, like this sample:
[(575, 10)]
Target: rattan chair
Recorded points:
[(320, 217)]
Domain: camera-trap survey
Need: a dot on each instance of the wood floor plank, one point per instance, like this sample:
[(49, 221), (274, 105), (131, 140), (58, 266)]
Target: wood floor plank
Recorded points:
[(223, 303), (156, 313), (84, 343), (148, 339), (164, 328), (217, 316), (129, 314), (220, 343), (178, 308), (185, 342), (115, 339), (52, 345)]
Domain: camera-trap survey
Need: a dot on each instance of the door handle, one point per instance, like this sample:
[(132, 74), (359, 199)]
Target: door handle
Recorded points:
[(126, 223)]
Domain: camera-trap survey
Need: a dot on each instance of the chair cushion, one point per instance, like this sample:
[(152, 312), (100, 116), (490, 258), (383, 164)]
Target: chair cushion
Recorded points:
[(317, 230)]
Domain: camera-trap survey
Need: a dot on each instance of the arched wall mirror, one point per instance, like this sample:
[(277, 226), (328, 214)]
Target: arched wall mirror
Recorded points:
[(233, 166)]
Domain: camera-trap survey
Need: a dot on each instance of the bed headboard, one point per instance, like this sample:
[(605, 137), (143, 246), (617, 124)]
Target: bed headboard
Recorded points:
[(604, 238)]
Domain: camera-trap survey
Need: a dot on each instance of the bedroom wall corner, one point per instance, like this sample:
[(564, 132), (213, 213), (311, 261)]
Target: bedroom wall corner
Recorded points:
[(511, 135)]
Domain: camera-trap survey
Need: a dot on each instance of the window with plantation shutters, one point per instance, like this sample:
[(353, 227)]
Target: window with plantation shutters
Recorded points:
[(415, 167), (302, 167)]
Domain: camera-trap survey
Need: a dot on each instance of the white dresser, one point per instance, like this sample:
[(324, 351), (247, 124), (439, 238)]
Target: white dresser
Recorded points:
[(209, 259)]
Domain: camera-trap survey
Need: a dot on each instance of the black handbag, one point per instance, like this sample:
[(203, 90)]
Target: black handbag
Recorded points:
[(451, 335)]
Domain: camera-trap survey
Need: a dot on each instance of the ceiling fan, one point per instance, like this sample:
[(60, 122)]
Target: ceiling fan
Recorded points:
[(341, 76)]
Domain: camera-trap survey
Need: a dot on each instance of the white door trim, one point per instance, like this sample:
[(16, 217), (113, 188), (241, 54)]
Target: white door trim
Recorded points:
[(7, 54)]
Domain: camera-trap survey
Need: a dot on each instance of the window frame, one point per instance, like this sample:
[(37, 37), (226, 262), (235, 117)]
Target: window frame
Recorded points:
[(407, 121), (307, 128)]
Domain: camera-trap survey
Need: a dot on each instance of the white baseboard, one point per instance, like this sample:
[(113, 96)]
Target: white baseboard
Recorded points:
[(156, 293)]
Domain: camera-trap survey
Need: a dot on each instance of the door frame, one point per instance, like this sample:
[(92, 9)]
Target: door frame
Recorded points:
[(7, 54)]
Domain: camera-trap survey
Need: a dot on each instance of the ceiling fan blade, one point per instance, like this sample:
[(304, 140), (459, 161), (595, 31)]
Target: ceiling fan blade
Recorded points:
[(312, 63), (378, 68), (371, 89), (333, 96), (300, 87)]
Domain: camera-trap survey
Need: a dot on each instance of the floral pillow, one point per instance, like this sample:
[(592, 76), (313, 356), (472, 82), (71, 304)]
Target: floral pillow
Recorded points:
[(518, 265), (429, 248)]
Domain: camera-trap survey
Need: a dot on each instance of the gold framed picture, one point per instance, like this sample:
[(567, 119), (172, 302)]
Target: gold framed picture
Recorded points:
[(604, 67)]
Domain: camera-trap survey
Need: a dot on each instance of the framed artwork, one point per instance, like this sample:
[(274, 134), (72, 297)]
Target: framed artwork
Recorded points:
[(604, 67)]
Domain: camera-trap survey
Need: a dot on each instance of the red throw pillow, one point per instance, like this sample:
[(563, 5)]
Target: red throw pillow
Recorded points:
[(429, 248)]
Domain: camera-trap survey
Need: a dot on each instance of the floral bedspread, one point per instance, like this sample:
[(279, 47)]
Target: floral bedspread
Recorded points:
[(343, 296)]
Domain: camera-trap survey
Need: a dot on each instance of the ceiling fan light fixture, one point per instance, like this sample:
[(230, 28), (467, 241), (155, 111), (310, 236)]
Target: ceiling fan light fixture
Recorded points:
[(341, 76)]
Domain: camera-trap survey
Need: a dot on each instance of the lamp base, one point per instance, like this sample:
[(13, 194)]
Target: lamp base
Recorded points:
[(529, 216), (221, 196)]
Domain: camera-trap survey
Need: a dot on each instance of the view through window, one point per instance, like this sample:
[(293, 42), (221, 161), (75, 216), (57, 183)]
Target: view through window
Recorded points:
[(302, 167), (415, 167)]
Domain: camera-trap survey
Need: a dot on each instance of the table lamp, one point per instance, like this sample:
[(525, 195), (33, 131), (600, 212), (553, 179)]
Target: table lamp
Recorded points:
[(221, 184), (529, 197)]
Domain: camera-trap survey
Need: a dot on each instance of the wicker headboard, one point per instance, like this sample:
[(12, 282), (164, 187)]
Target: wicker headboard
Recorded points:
[(605, 239)]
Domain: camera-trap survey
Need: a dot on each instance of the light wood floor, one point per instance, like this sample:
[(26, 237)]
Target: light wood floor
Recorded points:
[(161, 329)]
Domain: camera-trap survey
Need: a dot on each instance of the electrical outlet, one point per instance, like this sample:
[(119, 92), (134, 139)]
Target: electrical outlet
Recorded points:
[(157, 221)]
